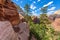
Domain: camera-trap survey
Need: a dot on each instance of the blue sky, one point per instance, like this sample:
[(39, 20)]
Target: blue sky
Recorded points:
[(35, 5)]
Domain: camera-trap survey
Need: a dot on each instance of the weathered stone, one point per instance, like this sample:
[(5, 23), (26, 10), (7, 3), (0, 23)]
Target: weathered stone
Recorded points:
[(55, 20), (8, 11), (23, 34), (6, 31), (56, 24)]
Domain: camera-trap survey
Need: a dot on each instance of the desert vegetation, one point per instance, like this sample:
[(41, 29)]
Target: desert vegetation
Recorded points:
[(42, 30)]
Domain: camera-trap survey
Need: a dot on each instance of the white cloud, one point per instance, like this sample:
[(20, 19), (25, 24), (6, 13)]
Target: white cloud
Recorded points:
[(22, 7), (32, 6), (34, 2), (50, 12), (48, 4), (37, 9), (38, 0), (52, 8), (34, 13)]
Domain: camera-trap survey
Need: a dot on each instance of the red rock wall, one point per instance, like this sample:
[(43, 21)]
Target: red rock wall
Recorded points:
[(56, 24), (8, 11)]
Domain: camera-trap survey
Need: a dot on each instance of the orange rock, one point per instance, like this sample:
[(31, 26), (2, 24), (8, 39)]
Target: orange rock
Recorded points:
[(56, 24), (8, 11)]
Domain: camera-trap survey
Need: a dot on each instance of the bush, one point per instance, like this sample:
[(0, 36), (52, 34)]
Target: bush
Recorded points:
[(41, 32)]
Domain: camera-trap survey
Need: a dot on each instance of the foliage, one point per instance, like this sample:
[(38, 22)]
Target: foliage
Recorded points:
[(44, 9), (44, 19), (41, 32), (27, 12), (27, 9), (44, 30), (57, 35)]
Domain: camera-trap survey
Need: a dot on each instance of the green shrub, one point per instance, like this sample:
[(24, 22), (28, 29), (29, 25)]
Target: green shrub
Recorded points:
[(41, 32)]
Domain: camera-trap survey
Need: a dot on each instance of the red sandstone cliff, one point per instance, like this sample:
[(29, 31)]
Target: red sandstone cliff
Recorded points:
[(55, 18), (13, 29)]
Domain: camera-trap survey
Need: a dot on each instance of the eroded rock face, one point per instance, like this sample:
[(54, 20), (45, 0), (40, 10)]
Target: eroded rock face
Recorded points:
[(6, 31), (56, 24), (8, 11), (23, 34)]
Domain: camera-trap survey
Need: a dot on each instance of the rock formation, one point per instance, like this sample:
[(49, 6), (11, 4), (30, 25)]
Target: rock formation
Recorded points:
[(23, 34), (56, 24), (6, 31), (55, 18), (8, 11)]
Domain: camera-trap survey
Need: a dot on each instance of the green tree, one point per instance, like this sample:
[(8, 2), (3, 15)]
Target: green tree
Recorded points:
[(27, 9), (46, 25), (43, 17), (27, 12), (44, 9)]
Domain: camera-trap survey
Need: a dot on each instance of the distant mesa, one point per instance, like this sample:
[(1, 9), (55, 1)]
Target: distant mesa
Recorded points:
[(55, 15)]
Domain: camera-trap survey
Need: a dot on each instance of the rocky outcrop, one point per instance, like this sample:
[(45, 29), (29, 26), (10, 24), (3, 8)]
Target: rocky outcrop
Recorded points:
[(55, 15), (6, 31), (55, 18), (56, 24), (23, 34), (14, 29), (8, 11)]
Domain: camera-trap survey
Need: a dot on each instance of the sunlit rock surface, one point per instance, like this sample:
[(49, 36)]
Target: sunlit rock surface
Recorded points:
[(55, 18), (6, 31), (56, 24), (57, 12)]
